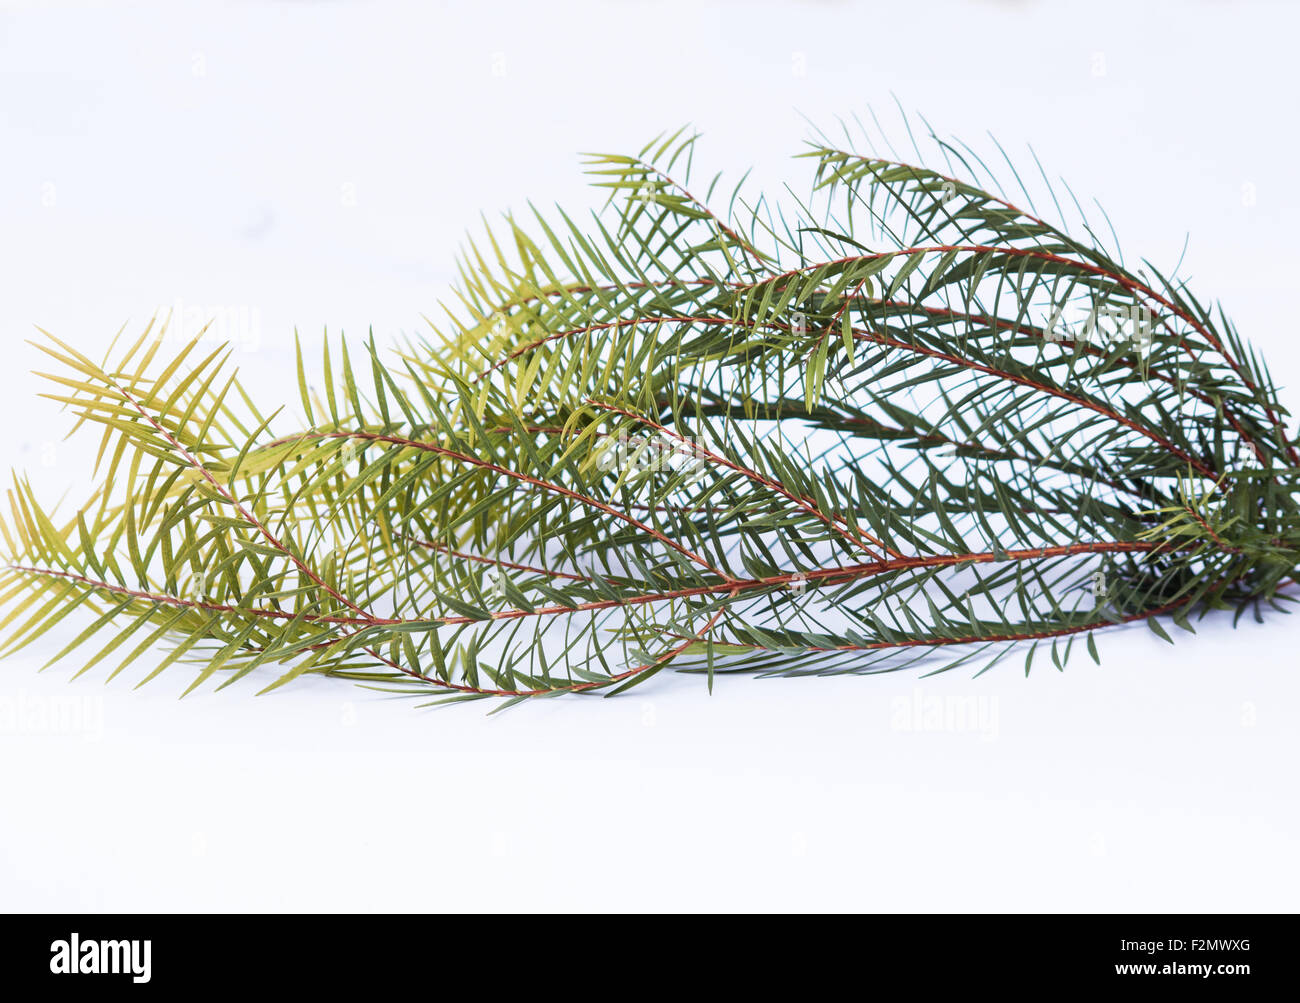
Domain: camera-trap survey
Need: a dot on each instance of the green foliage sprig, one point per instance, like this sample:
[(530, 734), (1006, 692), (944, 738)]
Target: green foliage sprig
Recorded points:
[(899, 419)]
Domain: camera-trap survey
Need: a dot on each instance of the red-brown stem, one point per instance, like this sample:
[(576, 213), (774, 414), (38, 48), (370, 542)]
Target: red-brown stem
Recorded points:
[(579, 287), (731, 234), (1035, 331), (1155, 437), (571, 688), (480, 559), (934, 642), (1129, 284), (912, 167), (1134, 286), (695, 319), (1087, 349), (733, 586), (396, 440), (603, 326), (244, 513), (820, 576), (210, 607), (869, 336), (1204, 525), (756, 477)]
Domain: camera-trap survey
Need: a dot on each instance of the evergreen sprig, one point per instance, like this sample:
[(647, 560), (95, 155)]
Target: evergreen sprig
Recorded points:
[(900, 418)]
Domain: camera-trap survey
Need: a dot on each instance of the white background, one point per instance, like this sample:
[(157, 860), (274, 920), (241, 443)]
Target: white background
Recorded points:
[(311, 164)]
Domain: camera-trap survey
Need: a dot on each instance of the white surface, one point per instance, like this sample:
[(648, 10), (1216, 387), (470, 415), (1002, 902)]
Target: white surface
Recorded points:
[(200, 153)]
